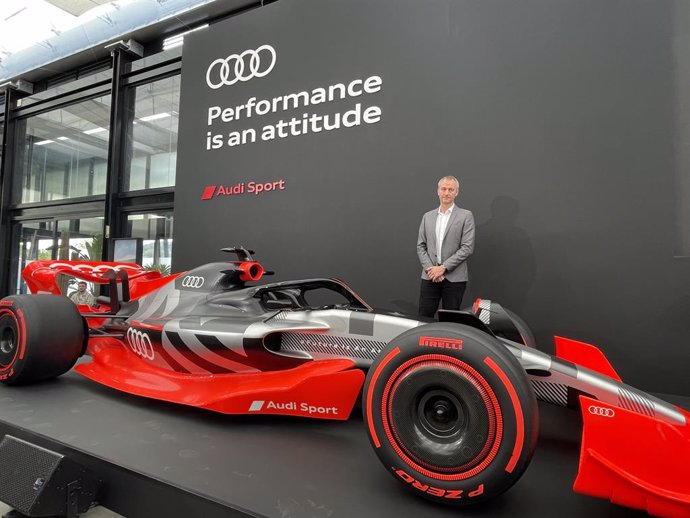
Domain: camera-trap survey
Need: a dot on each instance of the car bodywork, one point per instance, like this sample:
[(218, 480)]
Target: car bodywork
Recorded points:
[(207, 339)]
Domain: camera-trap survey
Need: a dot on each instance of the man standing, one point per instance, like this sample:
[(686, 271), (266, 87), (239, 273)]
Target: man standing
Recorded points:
[(81, 296), (446, 240)]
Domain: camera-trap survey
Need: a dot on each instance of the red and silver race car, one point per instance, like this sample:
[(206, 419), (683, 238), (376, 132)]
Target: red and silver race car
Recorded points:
[(450, 406)]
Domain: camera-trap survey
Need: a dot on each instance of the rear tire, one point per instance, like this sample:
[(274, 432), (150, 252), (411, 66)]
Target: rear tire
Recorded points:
[(41, 337), (451, 413)]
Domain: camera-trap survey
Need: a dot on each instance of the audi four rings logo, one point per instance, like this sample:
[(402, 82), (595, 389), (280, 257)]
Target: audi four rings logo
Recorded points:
[(140, 343), (192, 281), (604, 412), (241, 67)]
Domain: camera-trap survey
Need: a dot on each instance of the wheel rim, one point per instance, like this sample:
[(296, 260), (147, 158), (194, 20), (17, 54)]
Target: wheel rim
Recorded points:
[(7, 341), (440, 413), (442, 417), (8, 338)]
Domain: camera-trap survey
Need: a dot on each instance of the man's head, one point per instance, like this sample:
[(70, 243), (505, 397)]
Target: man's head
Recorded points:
[(81, 286), (448, 190)]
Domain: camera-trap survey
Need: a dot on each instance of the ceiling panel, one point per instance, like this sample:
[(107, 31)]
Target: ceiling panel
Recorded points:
[(39, 38), (77, 7)]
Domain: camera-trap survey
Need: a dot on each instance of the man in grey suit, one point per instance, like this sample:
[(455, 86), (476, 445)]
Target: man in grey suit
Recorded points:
[(446, 240)]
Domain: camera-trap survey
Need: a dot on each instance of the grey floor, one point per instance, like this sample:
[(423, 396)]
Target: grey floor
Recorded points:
[(96, 512)]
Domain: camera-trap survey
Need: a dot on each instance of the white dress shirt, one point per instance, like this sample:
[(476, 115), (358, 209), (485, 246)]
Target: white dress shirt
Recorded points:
[(441, 224)]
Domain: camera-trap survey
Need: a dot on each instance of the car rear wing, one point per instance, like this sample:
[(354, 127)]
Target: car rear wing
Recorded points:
[(43, 276)]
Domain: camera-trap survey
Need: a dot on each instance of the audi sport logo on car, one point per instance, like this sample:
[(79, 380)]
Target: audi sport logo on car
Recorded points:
[(140, 343), (241, 67), (293, 407), (601, 411), (192, 281), (442, 343)]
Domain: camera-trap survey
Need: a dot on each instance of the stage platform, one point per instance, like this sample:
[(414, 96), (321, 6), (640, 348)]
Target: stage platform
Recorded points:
[(159, 459)]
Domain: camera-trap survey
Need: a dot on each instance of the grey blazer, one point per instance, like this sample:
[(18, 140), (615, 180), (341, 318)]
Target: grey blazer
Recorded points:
[(458, 243)]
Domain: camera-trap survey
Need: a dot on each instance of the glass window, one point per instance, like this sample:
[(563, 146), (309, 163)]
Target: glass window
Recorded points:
[(36, 240), (69, 240), (156, 230), (62, 153), (153, 135), (80, 239)]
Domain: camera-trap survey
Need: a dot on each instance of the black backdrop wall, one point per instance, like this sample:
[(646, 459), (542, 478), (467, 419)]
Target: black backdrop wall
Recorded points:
[(562, 118)]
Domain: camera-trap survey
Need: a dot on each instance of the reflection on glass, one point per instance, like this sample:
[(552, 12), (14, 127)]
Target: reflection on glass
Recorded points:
[(127, 250), (153, 143), (63, 153), (67, 240), (36, 242), (80, 239), (156, 230)]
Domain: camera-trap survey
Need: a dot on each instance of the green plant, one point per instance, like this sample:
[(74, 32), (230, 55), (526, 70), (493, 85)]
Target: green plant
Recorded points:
[(94, 249), (163, 269)]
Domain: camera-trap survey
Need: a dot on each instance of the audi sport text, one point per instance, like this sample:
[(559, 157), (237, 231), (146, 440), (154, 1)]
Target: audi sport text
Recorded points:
[(254, 188), (306, 408)]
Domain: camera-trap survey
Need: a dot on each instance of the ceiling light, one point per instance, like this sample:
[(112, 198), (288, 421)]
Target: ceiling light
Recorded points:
[(94, 130), (154, 117), (15, 13), (43, 142), (173, 42), (178, 39), (63, 138)]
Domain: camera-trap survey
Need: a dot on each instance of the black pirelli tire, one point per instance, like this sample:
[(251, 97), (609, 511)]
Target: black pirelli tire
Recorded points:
[(41, 337), (450, 413)]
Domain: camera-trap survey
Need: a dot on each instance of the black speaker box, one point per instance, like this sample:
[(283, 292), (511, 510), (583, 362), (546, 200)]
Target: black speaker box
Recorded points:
[(39, 482)]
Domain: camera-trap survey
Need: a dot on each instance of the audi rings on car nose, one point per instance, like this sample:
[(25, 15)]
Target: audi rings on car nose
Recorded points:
[(241, 67), (603, 412), (192, 281), (140, 343)]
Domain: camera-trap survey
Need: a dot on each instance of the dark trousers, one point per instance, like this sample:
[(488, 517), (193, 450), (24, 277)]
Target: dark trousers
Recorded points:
[(431, 293)]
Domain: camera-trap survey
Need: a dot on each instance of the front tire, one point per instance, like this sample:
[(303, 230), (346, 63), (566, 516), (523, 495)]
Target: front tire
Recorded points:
[(41, 337), (451, 413)]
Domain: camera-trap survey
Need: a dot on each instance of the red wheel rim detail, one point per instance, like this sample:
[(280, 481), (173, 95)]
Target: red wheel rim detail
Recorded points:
[(494, 437), (370, 395)]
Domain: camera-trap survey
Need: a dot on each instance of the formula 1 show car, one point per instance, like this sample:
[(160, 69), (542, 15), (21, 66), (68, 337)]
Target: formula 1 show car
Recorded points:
[(449, 406)]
